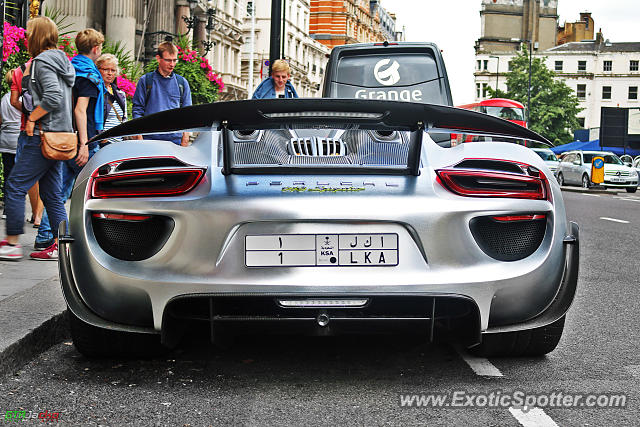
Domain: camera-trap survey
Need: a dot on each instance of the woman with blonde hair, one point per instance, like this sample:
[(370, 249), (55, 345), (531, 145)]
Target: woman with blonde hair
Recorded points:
[(115, 101), (49, 79)]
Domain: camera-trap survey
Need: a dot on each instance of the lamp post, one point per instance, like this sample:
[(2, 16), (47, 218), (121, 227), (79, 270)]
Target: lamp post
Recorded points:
[(530, 42), (190, 21), (497, 68)]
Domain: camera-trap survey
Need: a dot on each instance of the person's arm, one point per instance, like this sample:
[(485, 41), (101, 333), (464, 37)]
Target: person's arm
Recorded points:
[(80, 114), (15, 100), (185, 102), (35, 115)]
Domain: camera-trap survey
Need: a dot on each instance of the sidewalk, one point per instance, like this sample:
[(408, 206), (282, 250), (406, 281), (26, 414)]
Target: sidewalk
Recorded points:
[(31, 305)]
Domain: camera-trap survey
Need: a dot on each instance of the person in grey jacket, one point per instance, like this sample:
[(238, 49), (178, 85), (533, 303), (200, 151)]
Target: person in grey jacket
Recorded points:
[(49, 80)]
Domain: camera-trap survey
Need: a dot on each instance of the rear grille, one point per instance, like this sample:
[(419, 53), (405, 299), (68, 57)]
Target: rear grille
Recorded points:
[(132, 240), (317, 147), (508, 240)]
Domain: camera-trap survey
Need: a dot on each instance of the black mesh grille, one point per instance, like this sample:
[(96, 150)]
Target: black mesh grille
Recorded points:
[(508, 240), (132, 240)]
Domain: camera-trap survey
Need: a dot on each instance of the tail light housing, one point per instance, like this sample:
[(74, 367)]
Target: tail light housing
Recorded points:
[(144, 183), (517, 180)]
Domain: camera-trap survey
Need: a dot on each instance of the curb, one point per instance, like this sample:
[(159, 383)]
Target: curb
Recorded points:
[(31, 321), (589, 190), (45, 336)]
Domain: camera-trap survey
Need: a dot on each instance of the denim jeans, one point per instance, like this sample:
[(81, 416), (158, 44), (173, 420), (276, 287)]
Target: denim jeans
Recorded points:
[(31, 167), (70, 171)]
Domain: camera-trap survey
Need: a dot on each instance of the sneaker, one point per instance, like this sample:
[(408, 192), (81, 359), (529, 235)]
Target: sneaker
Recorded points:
[(40, 246), (49, 254), (9, 252)]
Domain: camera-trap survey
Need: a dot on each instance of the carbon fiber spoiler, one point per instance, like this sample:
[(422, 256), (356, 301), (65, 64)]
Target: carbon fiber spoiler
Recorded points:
[(283, 113)]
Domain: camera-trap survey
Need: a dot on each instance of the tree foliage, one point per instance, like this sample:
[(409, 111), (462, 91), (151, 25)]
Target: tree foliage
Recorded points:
[(554, 106)]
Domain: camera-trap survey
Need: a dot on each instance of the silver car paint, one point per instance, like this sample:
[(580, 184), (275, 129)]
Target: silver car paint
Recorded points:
[(205, 253)]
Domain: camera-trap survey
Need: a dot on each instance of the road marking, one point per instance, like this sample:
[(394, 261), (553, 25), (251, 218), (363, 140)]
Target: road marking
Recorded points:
[(590, 195), (630, 199), (480, 365), (621, 221), (533, 418)]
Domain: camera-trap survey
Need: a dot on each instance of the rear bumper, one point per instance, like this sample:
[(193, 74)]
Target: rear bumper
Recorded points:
[(556, 309)]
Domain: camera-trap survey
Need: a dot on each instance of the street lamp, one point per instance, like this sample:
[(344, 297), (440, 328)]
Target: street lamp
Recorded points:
[(497, 68), (529, 86), (190, 21), (211, 24)]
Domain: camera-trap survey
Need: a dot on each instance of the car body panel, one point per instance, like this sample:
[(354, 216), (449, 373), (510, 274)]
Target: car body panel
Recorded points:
[(204, 255)]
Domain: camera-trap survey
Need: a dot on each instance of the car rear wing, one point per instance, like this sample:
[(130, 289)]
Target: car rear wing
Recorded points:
[(324, 113)]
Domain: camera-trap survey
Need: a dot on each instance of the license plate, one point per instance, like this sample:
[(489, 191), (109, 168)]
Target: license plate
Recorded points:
[(319, 250)]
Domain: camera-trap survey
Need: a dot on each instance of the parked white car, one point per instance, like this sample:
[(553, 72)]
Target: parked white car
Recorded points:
[(549, 158), (575, 169)]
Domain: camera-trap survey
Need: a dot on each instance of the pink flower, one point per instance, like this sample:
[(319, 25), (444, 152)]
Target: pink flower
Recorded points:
[(126, 85)]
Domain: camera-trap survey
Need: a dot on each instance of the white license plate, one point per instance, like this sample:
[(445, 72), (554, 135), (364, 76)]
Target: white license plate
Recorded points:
[(319, 250)]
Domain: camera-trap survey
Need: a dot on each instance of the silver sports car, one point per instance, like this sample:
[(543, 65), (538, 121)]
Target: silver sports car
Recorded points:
[(321, 216)]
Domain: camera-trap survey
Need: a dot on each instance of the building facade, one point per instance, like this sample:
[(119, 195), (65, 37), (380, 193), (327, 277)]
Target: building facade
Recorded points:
[(506, 23), (306, 56), (141, 25), (576, 31), (339, 22)]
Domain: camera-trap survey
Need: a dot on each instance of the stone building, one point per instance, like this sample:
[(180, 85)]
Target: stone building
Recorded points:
[(143, 24), (339, 22), (576, 31), (306, 56)]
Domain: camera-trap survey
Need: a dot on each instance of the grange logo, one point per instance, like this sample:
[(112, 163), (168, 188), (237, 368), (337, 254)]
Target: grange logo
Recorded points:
[(387, 76)]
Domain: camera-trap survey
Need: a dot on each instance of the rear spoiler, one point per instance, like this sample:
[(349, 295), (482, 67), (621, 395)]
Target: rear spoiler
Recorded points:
[(287, 113)]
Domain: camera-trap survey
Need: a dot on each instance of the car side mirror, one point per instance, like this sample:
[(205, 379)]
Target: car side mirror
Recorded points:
[(577, 162), (627, 164)]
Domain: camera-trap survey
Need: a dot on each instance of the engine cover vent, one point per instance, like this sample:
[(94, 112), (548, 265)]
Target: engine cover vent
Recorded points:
[(317, 147)]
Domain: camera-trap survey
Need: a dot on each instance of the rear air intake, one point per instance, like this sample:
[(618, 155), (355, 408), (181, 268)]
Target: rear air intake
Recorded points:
[(510, 237), (131, 237)]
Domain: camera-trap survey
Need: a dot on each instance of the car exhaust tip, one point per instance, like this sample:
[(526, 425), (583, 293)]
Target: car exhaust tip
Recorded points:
[(323, 319)]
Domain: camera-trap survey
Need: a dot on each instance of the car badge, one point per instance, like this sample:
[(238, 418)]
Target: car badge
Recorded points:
[(618, 173), (389, 75)]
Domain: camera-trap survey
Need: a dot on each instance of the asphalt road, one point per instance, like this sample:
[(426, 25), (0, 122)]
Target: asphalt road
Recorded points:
[(358, 381)]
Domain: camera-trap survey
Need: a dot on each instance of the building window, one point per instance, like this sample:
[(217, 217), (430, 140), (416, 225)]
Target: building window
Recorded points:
[(479, 65), (509, 65), (581, 92), (249, 8), (558, 66), (478, 90), (606, 92), (486, 65), (485, 88), (633, 92), (582, 65), (581, 122), (633, 65), (606, 66)]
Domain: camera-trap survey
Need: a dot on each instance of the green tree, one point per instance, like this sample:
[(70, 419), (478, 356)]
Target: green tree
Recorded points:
[(554, 106)]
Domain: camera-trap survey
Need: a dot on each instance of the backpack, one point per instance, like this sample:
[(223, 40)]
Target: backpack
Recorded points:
[(27, 97), (148, 83)]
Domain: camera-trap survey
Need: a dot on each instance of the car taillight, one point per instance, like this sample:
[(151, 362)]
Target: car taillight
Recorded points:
[(485, 183), (148, 183)]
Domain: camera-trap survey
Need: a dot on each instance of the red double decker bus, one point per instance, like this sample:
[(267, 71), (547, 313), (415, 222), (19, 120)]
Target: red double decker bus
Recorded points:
[(507, 109)]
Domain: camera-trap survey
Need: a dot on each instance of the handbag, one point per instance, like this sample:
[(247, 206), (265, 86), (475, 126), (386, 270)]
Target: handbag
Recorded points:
[(58, 145)]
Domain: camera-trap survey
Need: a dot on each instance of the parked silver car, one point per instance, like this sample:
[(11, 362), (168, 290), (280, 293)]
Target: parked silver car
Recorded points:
[(324, 216), (575, 169)]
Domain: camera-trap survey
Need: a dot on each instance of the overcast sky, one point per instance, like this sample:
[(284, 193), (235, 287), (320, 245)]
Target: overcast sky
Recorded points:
[(454, 25)]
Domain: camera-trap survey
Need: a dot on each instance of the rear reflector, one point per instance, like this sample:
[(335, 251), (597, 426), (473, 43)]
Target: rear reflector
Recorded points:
[(482, 183), (510, 218), (122, 217), (147, 183)]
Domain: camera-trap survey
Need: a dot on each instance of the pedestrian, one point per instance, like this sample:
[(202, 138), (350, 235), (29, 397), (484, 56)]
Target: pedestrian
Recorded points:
[(115, 105), (162, 90), (278, 85), (37, 207), (9, 130), (88, 112), (50, 86)]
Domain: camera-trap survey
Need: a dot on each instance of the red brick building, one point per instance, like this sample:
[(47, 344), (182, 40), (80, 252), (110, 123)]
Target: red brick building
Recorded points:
[(339, 22)]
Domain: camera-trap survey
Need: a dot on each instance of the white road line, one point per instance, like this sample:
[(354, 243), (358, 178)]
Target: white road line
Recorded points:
[(533, 418), (480, 365), (621, 221), (629, 199), (590, 195)]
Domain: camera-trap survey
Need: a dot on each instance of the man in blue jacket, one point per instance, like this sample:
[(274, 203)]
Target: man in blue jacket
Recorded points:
[(278, 85), (162, 90)]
